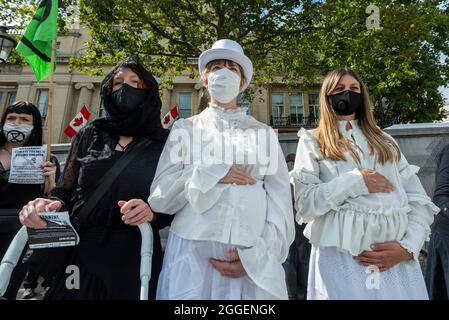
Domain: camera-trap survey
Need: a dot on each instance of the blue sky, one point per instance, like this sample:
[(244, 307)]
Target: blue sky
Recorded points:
[(445, 92)]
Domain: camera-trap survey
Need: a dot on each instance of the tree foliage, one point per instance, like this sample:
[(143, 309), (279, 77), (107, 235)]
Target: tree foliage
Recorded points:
[(403, 62)]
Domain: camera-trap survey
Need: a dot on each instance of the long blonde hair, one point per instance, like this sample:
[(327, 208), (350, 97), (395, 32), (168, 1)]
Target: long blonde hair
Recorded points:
[(333, 144)]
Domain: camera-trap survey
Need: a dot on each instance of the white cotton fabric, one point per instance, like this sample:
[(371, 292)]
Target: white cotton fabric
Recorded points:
[(187, 273), (258, 219), (335, 275), (332, 198)]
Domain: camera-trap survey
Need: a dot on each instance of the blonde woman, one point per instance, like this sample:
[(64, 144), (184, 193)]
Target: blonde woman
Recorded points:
[(366, 211), (233, 221)]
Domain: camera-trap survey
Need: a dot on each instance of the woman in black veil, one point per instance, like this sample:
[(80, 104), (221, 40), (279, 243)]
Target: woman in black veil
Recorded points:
[(108, 255)]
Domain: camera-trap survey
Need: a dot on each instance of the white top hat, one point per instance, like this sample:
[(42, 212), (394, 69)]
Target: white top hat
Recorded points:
[(228, 50)]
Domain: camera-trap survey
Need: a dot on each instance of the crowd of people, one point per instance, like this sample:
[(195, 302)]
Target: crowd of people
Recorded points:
[(219, 179)]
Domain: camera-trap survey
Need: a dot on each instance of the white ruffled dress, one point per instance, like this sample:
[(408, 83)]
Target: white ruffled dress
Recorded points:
[(212, 218), (344, 219)]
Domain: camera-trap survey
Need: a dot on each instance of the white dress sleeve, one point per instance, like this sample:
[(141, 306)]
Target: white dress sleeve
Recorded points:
[(313, 197), (422, 209), (167, 194), (178, 182), (263, 261), (203, 188)]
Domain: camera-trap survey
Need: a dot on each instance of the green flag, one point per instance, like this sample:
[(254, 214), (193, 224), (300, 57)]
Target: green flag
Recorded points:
[(36, 44)]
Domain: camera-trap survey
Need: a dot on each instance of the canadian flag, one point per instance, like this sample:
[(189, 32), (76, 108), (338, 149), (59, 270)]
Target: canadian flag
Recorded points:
[(78, 122), (170, 117)]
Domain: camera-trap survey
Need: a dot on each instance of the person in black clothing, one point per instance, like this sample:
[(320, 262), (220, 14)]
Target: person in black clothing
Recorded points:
[(108, 255), (21, 125), (437, 269)]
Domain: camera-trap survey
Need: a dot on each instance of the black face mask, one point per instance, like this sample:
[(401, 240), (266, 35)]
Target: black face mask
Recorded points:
[(346, 102), (127, 99)]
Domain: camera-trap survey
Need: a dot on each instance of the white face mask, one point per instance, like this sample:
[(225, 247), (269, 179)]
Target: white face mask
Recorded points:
[(223, 85), (17, 133)]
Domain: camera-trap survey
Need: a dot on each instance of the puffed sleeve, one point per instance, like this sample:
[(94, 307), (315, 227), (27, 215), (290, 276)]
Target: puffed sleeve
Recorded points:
[(313, 197), (420, 217), (263, 261), (179, 180), (203, 189)]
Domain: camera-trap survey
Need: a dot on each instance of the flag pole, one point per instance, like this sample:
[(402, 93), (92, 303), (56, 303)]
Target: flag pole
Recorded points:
[(50, 100), (50, 107)]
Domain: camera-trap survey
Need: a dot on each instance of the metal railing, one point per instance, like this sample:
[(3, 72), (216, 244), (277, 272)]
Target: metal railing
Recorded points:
[(294, 121)]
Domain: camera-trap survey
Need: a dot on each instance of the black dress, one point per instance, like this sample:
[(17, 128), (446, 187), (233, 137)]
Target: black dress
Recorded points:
[(12, 198), (108, 255)]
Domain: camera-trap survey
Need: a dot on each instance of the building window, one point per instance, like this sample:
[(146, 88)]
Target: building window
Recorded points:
[(243, 101), (277, 104), (277, 108), (296, 109), (185, 104), (314, 108), (42, 102), (7, 98), (11, 97)]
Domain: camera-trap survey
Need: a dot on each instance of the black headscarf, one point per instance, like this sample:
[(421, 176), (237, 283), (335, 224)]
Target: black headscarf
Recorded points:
[(146, 120)]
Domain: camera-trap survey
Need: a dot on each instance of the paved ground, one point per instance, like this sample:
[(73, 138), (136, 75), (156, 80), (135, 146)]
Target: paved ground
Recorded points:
[(39, 292)]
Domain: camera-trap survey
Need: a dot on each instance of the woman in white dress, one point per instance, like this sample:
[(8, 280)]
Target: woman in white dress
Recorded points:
[(224, 176), (366, 211)]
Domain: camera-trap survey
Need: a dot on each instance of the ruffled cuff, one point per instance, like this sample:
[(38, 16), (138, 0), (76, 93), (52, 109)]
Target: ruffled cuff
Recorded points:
[(349, 185), (407, 172), (304, 177), (411, 248), (419, 220), (202, 189)]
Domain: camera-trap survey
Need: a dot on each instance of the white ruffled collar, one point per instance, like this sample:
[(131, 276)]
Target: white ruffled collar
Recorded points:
[(342, 124), (227, 114)]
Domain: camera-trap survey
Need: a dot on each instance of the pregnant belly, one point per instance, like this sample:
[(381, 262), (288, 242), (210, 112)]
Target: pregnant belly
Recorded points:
[(251, 202)]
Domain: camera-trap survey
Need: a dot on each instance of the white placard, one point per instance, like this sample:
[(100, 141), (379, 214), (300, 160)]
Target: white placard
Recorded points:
[(26, 165)]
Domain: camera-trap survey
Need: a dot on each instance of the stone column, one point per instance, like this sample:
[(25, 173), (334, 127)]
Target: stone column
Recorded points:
[(85, 96), (24, 92), (166, 100), (261, 105), (60, 108)]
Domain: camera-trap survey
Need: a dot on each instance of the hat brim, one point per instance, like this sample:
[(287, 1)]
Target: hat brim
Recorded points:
[(226, 54)]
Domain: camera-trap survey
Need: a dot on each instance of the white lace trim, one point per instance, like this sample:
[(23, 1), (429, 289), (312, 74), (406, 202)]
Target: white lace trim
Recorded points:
[(227, 114)]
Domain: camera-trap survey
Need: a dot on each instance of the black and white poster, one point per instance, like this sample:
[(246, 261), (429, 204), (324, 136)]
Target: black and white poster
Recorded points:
[(58, 233), (26, 165)]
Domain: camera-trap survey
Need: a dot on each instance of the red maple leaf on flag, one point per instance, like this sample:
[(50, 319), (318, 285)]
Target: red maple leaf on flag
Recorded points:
[(166, 119), (78, 121)]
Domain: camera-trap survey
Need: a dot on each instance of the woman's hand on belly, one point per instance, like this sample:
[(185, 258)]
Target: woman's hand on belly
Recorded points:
[(231, 268), (375, 182), (238, 175), (384, 255), (135, 212)]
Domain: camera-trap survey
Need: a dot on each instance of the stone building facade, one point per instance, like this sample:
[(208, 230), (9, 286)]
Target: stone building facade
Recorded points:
[(285, 110)]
